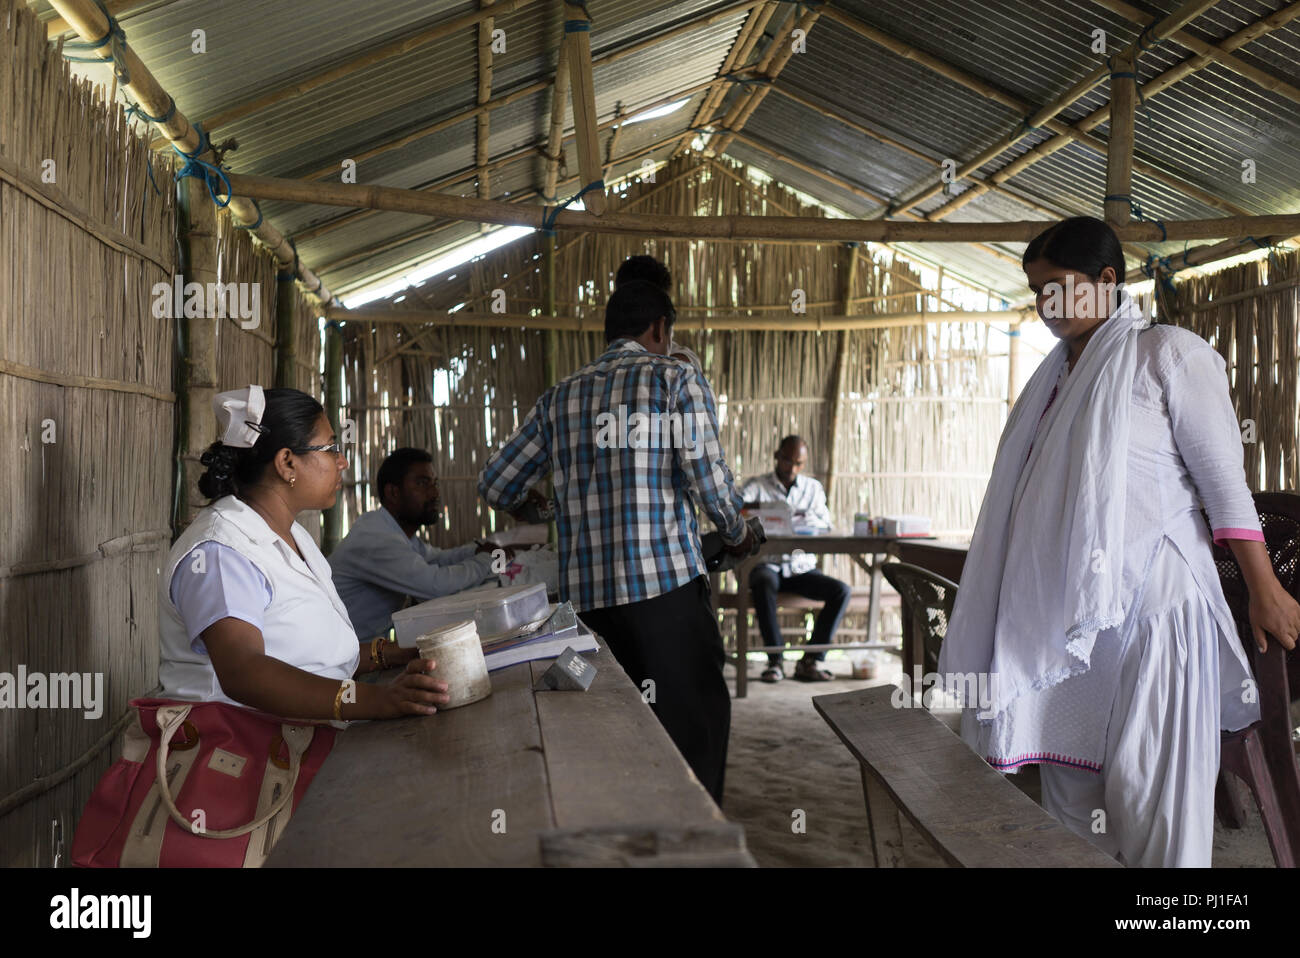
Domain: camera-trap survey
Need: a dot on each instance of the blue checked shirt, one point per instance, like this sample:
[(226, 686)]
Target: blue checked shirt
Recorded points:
[(628, 439)]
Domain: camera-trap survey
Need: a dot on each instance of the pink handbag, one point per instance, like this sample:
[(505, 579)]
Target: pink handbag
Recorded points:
[(199, 784)]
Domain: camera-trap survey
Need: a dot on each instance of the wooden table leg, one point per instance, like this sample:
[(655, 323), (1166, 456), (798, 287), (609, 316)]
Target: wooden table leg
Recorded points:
[(873, 608), (882, 819), (742, 629)]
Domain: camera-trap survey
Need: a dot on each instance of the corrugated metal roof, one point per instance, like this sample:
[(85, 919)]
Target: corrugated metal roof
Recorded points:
[(1199, 130)]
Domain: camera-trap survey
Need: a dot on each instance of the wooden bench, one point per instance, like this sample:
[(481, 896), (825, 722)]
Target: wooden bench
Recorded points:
[(520, 778), (788, 602), (912, 764)]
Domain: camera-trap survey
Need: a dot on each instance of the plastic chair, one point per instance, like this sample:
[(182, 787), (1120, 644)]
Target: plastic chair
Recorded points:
[(927, 606), (1262, 755)]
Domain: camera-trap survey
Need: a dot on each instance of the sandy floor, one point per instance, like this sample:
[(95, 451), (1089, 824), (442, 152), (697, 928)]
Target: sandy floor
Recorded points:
[(783, 758)]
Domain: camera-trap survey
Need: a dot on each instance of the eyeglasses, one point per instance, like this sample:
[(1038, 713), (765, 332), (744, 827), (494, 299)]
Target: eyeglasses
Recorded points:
[(333, 447)]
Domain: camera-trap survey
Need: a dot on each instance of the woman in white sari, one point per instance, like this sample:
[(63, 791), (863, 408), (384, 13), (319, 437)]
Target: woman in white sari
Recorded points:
[(1090, 598)]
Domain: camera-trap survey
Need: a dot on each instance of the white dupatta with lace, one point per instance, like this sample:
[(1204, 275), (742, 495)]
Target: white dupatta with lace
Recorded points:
[(1044, 571)]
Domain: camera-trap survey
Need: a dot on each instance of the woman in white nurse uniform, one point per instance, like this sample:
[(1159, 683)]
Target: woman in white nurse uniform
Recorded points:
[(249, 612), (1090, 598)]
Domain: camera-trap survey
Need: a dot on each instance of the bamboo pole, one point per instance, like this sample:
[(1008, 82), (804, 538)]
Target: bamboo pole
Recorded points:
[(197, 223), (427, 317), (835, 392), (1119, 151), (59, 26), (482, 151), (1185, 13), (1222, 51), (555, 141), (333, 516), (612, 143), (286, 348), (1211, 253), (577, 36), (751, 227), (91, 25)]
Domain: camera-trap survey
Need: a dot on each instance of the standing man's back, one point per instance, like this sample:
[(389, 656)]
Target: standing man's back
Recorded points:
[(626, 438)]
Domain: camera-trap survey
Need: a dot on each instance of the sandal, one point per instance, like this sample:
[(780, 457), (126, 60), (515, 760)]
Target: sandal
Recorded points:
[(772, 674), (812, 672)]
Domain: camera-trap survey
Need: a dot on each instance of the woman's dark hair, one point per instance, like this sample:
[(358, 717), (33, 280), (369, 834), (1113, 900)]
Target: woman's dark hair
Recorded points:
[(1081, 243), (644, 267), (633, 307), (393, 470), (289, 420)]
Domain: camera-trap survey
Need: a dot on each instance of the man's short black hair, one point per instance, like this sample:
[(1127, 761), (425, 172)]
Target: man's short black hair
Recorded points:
[(647, 268), (634, 306), (393, 470), (789, 441)]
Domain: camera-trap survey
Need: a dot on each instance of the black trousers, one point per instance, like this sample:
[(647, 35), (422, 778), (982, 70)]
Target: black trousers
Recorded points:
[(766, 581), (673, 640)]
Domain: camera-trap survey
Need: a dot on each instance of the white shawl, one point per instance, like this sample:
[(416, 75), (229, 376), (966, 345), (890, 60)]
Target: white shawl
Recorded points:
[(1044, 572)]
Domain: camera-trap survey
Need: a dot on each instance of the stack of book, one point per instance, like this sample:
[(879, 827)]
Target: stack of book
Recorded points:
[(561, 629)]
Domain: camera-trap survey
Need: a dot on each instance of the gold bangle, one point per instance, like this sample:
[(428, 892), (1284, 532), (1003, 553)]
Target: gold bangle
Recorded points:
[(383, 659), (338, 701), (374, 650)]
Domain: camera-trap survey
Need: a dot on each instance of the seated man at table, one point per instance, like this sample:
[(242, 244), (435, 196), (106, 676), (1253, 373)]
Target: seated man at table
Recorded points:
[(381, 562), (795, 573)]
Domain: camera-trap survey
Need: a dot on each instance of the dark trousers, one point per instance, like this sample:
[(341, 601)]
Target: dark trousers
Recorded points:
[(766, 581), (673, 640)]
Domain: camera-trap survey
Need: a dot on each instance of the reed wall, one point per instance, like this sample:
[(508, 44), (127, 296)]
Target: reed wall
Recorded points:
[(86, 409), (1249, 314)]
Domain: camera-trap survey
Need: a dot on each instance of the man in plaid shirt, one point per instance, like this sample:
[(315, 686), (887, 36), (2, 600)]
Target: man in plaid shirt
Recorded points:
[(628, 439)]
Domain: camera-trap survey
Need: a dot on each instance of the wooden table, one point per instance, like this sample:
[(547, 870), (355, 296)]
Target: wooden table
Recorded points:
[(867, 551), (521, 778), (945, 558)]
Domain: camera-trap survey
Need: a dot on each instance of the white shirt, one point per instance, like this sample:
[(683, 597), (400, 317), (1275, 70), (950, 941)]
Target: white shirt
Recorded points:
[(305, 623), (377, 565), (806, 496)]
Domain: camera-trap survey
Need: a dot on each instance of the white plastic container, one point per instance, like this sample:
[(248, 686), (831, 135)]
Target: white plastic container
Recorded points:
[(459, 656), (495, 612)]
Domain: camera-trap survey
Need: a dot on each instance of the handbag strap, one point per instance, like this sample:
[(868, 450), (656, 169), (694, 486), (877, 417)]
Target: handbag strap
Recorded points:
[(170, 718)]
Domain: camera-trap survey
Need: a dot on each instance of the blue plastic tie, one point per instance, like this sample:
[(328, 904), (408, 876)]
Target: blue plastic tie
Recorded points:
[(202, 169), (135, 109), (548, 220), (116, 37), (577, 26)]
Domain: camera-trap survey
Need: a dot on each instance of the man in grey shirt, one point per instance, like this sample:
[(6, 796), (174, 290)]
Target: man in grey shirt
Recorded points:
[(381, 562)]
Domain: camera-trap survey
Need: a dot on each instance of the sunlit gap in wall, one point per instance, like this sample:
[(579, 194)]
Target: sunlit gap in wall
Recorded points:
[(450, 259)]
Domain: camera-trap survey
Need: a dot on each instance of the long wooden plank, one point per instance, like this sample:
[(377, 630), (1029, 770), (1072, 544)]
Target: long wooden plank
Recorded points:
[(425, 791), (957, 801), (609, 760)]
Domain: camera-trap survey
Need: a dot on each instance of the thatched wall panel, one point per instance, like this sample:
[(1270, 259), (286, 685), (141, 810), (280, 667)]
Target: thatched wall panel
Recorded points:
[(87, 415)]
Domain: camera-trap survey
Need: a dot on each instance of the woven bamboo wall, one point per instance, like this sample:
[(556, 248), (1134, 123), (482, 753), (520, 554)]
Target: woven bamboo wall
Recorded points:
[(911, 440), (86, 413), (1249, 314)]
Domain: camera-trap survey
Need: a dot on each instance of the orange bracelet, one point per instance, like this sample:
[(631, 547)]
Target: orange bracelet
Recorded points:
[(374, 650)]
